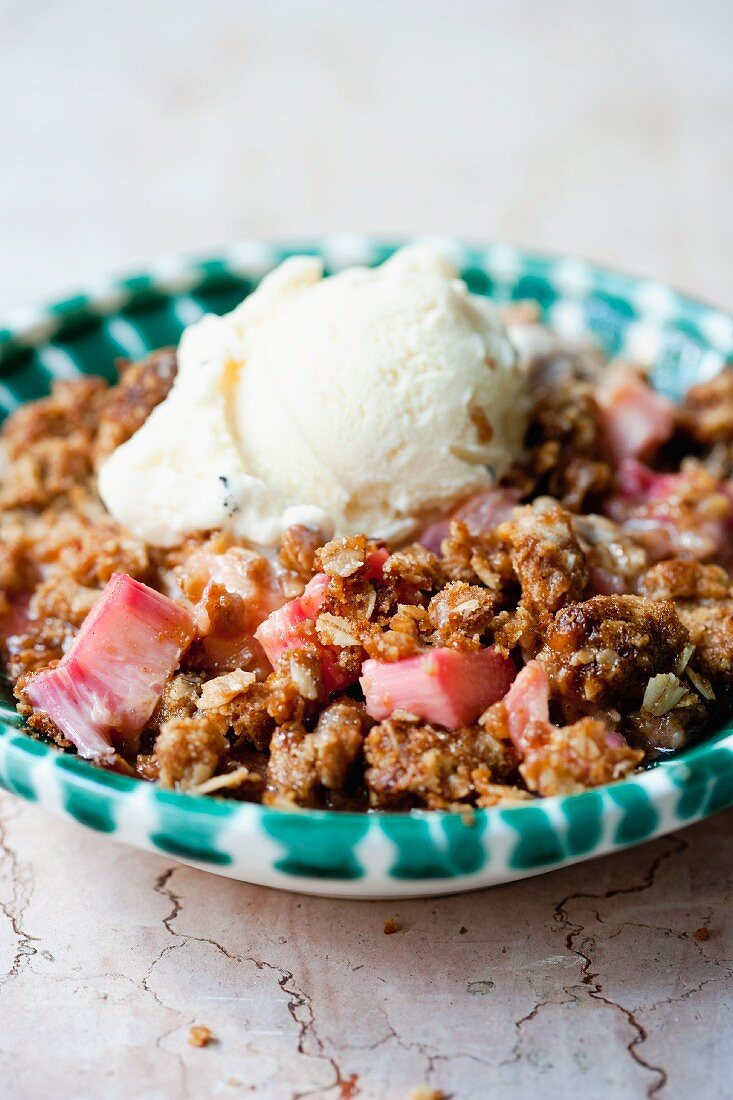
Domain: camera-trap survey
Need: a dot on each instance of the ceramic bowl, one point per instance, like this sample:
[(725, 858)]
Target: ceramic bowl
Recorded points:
[(354, 854)]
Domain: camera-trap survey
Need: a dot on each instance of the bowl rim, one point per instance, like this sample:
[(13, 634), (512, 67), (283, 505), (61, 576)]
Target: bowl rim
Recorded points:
[(670, 777), (181, 274)]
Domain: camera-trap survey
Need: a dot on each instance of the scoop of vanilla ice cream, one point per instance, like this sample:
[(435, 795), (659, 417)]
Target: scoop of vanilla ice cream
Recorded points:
[(369, 401)]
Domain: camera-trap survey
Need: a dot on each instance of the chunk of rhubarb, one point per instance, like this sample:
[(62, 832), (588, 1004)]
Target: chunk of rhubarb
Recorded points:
[(292, 626), (637, 483), (447, 687), (688, 514), (527, 702), (16, 619), (375, 564), (481, 514), (311, 601), (232, 591), (108, 684), (636, 418), (561, 759), (240, 572)]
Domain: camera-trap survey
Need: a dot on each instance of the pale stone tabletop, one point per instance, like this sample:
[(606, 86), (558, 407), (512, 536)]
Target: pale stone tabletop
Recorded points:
[(170, 125), (609, 979)]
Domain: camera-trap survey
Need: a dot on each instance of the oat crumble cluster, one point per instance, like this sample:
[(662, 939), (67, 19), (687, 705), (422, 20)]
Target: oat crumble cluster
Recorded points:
[(589, 590)]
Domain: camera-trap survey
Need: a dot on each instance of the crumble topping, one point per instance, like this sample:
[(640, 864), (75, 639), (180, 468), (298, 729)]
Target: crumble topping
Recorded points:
[(350, 674)]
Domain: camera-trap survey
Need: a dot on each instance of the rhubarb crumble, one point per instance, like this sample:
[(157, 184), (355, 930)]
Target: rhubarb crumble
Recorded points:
[(554, 631)]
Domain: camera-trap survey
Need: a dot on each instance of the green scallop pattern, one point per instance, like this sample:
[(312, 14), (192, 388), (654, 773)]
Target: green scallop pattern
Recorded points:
[(310, 850), (359, 853)]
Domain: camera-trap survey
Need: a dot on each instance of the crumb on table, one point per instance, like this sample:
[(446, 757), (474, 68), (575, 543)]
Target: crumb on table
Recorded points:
[(200, 1036), (701, 934), (391, 926), (423, 1092)]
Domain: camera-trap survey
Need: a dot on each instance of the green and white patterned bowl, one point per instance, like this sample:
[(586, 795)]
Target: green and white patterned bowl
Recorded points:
[(365, 855)]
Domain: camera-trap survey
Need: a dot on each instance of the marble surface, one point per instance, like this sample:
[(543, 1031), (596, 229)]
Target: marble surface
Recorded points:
[(171, 125), (607, 979)]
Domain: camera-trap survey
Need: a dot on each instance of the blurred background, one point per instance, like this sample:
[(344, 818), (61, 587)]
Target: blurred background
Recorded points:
[(600, 127)]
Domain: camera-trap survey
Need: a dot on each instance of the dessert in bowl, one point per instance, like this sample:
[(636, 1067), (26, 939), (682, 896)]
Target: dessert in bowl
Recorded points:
[(371, 542)]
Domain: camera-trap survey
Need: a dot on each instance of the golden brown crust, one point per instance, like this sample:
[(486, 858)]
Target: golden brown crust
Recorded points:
[(298, 551), (200, 1036), (552, 578), (461, 614), (684, 580), (412, 763), (477, 559), (603, 651), (180, 698), (295, 688), (546, 556), (188, 750), (707, 410), (710, 626), (702, 595), (564, 760), (566, 444), (249, 718), (141, 387), (399, 639), (49, 444), (342, 557), (414, 567), (303, 764)]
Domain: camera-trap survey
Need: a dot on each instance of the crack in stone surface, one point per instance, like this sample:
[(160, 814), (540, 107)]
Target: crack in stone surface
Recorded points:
[(431, 1056), (184, 1019), (583, 949), (14, 909), (515, 1054), (160, 887), (582, 946), (683, 937), (299, 1002)]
